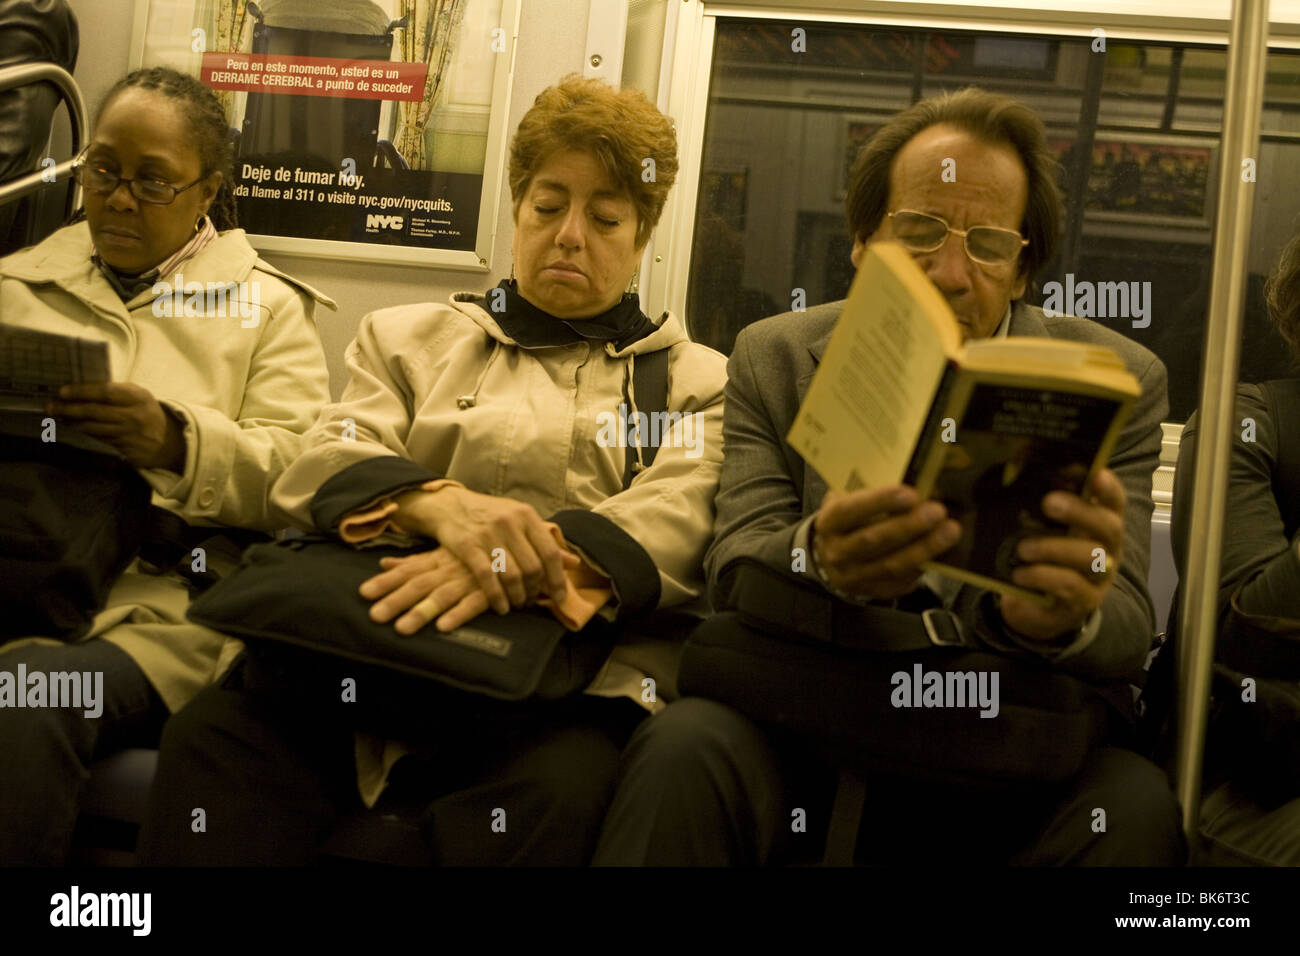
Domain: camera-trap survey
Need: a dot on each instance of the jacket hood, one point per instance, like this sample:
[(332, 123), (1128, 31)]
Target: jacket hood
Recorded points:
[(670, 330)]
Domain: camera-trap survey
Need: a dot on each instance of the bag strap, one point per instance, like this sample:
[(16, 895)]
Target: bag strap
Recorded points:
[(169, 540), (773, 602), (1282, 396), (650, 390)]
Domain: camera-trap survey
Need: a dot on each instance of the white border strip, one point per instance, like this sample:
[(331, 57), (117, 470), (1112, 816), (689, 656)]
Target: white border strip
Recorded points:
[(692, 61)]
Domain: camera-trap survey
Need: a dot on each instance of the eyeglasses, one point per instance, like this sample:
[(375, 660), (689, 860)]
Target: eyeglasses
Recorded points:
[(105, 181), (986, 245)]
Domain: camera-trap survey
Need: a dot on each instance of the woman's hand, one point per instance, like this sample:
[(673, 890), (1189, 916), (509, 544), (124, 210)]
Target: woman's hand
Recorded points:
[(429, 585), (507, 547), (127, 417)]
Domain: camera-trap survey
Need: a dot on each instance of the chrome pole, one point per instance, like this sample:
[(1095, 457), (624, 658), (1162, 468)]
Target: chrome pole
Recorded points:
[(21, 75), (1247, 50)]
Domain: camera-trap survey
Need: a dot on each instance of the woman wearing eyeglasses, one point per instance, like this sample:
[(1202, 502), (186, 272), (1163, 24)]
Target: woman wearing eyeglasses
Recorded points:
[(208, 401)]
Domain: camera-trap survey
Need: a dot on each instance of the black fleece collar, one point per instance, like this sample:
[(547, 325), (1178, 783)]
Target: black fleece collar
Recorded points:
[(531, 327), (126, 286)]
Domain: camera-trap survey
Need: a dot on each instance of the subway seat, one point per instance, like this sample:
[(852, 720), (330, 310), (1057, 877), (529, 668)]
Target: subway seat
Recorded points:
[(117, 796)]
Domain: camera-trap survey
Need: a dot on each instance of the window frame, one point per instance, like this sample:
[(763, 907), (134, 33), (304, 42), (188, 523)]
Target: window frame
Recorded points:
[(688, 68)]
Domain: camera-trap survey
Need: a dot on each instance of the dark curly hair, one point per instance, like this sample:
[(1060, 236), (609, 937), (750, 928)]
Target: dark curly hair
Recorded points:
[(1282, 293), (209, 132)]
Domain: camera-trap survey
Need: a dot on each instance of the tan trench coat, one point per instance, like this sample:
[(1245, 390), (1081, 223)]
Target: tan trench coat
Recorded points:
[(533, 433), (246, 384)]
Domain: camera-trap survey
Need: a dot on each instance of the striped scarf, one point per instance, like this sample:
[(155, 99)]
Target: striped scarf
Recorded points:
[(128, 287)]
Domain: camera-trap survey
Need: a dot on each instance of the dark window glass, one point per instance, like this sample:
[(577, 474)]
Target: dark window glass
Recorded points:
[(1136, 131)]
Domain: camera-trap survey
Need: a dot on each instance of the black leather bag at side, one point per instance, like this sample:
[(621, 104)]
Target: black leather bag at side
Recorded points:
[(73, 514), (296, 604), (793, 657)]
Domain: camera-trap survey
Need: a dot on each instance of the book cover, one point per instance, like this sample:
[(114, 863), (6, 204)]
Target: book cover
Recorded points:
[(987, 428), (1012, 445)]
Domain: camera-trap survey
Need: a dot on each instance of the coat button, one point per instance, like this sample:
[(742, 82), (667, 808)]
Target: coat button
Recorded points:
[(207, 497)]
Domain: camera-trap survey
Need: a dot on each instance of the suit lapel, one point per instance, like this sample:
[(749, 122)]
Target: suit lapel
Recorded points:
[(814, 489), (816, 349)]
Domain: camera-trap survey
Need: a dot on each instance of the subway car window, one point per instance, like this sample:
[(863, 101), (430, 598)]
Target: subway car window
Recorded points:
[(1136, 134)]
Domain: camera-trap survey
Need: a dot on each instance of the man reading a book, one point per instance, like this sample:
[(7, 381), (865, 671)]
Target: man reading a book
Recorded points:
[(966, 184)]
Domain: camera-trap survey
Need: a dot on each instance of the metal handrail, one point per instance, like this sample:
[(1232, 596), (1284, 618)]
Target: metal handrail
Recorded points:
[(21, 75), (1198, 610)]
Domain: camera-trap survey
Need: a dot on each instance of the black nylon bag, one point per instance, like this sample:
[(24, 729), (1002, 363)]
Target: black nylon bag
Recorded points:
[(73, 514), (792, 657), (296, 605)]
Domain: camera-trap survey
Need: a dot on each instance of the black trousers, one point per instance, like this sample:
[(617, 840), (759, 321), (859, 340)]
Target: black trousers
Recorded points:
[(700, 784), (498, 784), (46, 752)]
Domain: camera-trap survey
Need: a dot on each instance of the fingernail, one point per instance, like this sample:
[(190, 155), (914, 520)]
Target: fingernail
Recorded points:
[(902, 498), (951, 534), (1054, 505), (932, 512)]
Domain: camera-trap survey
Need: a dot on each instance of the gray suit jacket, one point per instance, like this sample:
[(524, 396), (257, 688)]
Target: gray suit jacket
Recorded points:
[(766, 489)]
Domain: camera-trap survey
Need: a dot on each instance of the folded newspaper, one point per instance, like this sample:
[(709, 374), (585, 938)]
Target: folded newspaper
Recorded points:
[(33, 365)]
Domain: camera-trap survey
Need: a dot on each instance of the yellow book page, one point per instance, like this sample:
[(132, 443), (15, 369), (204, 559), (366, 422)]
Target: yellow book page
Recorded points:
[(865, 407), (1070, 366)]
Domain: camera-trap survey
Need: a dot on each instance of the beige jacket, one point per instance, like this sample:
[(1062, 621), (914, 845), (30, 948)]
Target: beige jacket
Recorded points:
[(247, 385), (444, 387)]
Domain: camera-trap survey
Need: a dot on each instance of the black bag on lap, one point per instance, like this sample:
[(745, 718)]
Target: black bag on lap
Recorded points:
[(793, 657), (73, 514), (296, 606)]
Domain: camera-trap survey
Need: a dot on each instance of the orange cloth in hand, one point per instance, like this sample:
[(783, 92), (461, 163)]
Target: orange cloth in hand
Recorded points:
[(375, 519), (587, 592)]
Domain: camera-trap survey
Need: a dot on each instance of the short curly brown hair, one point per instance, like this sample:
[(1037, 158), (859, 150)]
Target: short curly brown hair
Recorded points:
[(620, 127), (990, 117), (1282, 293)]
